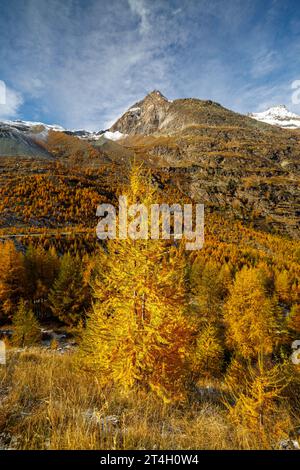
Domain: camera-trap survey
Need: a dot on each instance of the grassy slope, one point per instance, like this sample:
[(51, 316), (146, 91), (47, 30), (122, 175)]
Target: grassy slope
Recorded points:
[(46, 403)]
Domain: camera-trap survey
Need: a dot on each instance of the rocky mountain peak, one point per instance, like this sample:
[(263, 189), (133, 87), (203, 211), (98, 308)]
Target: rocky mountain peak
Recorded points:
[(145, 116), (155, 114), (156, 95)]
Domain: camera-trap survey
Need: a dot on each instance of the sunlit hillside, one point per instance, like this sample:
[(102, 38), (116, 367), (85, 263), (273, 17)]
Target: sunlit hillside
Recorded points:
[(140, 343)]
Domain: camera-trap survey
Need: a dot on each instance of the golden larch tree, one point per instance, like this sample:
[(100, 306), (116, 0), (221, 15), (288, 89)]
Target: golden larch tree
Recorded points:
[(138, 333), (12, 278), (250, 315), (255, 410)]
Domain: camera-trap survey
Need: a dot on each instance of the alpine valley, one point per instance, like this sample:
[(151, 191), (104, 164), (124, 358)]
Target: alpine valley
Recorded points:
[(241, 167), (142, 344)]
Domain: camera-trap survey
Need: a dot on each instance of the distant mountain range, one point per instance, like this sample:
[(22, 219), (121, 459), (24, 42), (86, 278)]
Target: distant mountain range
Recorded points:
[(40, 128), (239, 165), (27, 138), (154, 114)]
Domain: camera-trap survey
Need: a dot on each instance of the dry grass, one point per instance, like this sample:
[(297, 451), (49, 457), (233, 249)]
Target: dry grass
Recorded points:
[(46, 403)]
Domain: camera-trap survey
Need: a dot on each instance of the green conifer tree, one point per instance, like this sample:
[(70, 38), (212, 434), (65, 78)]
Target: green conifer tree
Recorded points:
[(69, 295), (26, 329)]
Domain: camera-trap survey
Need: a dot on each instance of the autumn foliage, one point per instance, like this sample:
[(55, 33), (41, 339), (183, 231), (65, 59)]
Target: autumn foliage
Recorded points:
[(139, 332), (153, 318)]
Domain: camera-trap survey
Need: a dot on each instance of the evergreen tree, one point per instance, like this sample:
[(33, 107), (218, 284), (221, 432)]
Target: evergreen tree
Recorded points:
[(26, 329), (69, 295), (138, 333), (41, 269)]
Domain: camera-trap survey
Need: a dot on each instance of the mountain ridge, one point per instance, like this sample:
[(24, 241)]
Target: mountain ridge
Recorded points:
[(233, 164), (228, 161), (155, 114), (15, 143), (152, 114)]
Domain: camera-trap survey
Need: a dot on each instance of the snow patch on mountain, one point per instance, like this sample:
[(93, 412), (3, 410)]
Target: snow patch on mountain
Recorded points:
[(113, 135), (27, 125), (40, 130), (134, 110), (278, 116)]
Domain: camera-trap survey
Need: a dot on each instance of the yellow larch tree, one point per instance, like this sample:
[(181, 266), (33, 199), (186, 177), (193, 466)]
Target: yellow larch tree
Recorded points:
[(283, 285), (254, 409), (138, 333), (207, 355), (294, 319), (12, 278), (250, 315)]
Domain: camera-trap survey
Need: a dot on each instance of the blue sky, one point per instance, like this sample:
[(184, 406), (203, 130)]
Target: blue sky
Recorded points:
[(81, 63)]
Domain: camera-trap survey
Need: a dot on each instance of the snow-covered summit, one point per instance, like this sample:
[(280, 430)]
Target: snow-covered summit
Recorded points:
[(278, 116), (28, 125)]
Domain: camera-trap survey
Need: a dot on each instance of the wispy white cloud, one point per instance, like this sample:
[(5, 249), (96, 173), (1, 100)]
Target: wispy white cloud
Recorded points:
[(139, 8), (2, 92), (10, 102), (84, 66), (264, 62), (87, 65)]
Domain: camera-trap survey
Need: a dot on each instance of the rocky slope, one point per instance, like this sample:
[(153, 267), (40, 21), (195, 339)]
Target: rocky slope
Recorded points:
[(232, 163), (16, 143), (144, 117), (235, 165), (23, 138), (155, 114)]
